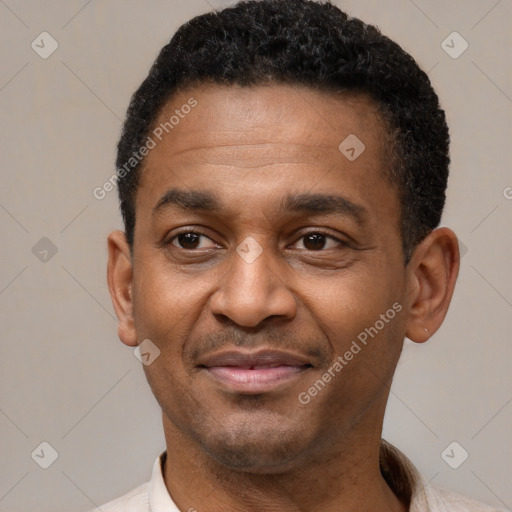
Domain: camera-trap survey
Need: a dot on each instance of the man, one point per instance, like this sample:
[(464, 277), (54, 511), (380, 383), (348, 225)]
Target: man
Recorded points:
[(282, 174)]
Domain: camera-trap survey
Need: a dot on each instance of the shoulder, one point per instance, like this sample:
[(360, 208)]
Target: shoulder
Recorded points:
[(442, 500), (135, 501)]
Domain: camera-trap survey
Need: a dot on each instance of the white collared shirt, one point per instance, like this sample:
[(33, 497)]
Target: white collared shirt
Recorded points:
[(154, 497)]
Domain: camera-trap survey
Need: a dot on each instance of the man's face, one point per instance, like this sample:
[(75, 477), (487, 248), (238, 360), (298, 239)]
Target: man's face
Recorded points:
[(261, 253)]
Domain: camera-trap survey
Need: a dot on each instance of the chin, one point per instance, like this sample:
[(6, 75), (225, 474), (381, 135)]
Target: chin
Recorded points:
[(254, 445)]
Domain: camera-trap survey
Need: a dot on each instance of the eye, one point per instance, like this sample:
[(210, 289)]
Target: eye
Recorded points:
[(191, 240), (316, 241)]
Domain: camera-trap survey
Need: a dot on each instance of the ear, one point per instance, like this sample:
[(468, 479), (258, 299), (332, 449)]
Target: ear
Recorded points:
[(120, 280), (432, 273)]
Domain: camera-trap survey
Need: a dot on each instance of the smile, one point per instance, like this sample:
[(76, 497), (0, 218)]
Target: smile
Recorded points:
[(254, 373)]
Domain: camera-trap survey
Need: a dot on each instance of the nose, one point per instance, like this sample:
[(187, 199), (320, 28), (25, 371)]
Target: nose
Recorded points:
[(252, 291)]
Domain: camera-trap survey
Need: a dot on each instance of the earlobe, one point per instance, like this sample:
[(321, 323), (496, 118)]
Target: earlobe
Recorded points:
[(432, 273), (120, 282)]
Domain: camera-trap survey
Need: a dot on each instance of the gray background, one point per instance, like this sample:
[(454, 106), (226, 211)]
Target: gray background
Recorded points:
[(67, 380)]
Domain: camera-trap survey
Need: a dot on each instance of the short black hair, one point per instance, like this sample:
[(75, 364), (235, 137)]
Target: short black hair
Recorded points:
[(314, 44)]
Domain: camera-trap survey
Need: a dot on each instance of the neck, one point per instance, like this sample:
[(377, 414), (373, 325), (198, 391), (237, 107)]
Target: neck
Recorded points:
[(346, 478)]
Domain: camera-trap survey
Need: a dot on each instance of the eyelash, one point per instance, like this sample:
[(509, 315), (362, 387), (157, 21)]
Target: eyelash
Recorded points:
[(186, 232), (198, 232)]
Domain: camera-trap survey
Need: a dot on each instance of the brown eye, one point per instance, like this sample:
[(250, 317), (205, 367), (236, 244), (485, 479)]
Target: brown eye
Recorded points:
[(188, 240), (191, 240), (318, 241), (314, 241)]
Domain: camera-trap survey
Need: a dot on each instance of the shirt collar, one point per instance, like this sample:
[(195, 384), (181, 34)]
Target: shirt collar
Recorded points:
[(159, 498), (403, 478)]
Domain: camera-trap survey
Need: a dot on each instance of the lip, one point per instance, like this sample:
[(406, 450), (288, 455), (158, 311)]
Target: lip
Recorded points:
[(254, 372)]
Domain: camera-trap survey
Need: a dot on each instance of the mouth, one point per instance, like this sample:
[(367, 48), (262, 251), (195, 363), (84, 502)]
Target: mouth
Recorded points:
[(256, 372)]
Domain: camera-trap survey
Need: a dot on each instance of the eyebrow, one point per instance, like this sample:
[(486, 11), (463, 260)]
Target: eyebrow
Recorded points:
[(307, 203), (188, 200), (326, 204)]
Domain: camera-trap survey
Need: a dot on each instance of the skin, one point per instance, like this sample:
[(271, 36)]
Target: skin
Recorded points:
[(251, 147)]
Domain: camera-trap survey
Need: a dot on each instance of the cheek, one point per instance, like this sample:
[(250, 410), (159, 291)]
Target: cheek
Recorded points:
[(353, 301), (363, 325), (168, 306), (165, 310), (361, 315), (162, 293)]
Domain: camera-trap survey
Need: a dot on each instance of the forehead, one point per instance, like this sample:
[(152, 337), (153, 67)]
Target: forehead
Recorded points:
[(271, 139), (281, 114)]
